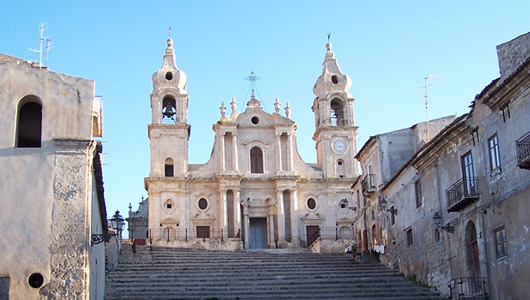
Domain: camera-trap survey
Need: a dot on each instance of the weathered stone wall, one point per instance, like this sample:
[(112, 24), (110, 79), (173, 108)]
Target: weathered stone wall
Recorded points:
[(70, 226)]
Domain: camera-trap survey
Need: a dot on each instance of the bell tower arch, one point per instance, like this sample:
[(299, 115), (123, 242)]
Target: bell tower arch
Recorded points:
[(335, 133), (169, 131)]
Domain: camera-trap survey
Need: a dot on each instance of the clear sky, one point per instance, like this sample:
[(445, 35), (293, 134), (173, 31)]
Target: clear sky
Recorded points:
[(386, 47)]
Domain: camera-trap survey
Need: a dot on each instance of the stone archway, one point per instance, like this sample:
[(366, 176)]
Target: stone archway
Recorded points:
[(472, 261)]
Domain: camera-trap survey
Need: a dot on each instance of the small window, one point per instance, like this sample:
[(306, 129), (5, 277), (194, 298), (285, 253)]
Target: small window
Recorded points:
[(169, 75), (410, 239), (495, 158), (392, 215), (168, 168), (203, 204), (419, 194), (311, 203), (203, 232), (335, 79), (256, 160), (29, 124), (169, 205), (255, 120), (500, 241), (436, 235)]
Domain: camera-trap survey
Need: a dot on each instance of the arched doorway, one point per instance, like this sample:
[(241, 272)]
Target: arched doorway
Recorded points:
[(472, 252)]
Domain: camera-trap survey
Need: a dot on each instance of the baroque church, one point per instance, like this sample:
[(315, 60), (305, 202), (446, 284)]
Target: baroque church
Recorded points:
[(255, 191)]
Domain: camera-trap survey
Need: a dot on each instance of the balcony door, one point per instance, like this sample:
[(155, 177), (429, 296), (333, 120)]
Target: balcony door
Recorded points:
[(468, 175)]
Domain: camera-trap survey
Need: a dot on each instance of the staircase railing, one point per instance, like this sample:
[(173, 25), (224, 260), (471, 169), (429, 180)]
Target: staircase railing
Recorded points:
[(467, 286)]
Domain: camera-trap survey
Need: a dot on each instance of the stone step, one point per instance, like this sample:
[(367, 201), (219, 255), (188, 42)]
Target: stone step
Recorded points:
[(172, 273)]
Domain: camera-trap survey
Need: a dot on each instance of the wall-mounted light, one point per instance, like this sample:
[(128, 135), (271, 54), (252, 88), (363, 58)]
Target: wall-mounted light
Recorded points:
[(383, 203), (438, 221), (117, 222)]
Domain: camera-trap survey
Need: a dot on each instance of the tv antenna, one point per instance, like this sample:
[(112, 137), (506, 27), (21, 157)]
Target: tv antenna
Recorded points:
[(47, 47), (426, 99)]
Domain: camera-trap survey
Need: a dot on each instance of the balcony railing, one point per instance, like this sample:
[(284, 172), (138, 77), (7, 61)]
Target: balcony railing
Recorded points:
[(468, 288), (461, 194), (523, 151), (183, 234), (367, 184)]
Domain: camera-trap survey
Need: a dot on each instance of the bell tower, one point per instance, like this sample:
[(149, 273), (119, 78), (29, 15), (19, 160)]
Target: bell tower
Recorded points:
[(168, 131), (335, 133)]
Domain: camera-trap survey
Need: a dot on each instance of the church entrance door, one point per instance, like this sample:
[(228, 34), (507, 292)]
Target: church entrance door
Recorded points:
[(258, 233)]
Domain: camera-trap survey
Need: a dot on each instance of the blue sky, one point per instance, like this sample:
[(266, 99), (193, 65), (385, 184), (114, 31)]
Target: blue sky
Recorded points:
[(386, 47)]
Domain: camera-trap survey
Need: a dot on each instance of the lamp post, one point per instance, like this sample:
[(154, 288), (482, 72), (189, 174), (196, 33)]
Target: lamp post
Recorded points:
[(117, 222), (438, 221)]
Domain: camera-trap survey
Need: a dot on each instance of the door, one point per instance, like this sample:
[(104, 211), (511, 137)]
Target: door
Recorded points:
[(258, 233), (312, 231), (468, 175)]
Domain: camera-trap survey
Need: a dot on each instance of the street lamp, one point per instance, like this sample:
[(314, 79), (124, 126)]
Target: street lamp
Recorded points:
[(438, 221), (117, 222)]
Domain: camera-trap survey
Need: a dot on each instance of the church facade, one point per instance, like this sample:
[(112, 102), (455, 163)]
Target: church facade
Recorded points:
[(255, 191)]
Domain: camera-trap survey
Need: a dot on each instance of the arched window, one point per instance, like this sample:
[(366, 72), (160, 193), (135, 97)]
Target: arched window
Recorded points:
[(337, 112), (29, 123), (256, 160), (168, 167), (169, 110)]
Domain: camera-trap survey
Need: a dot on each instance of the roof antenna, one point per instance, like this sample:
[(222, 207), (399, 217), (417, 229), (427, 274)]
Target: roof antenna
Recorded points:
[(426, 99), (46, 49)]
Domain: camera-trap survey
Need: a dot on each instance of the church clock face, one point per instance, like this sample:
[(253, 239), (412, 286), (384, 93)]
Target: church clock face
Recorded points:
[(339, 146)]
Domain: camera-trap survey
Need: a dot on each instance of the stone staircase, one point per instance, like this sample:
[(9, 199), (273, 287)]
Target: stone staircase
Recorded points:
[(173, 273)]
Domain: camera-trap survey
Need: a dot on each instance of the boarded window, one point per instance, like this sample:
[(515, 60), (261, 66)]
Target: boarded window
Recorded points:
[(256, 160), (29, 124), (500, 241)]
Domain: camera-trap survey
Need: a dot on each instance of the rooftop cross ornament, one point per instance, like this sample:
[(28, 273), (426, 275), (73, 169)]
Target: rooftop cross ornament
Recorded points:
[(329, 36), (252, 78), (169, 31)]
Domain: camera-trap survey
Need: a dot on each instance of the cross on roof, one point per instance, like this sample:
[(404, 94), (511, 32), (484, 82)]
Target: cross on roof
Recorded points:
[(252, 78)]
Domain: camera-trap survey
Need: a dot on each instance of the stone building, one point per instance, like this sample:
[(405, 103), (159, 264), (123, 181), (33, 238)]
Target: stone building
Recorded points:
[(462, 209), (255, 191), (51, 183), (381, 157), (137, 220)]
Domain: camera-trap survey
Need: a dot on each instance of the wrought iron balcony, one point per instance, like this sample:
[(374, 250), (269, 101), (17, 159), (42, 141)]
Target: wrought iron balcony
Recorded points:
[(523, 151), (461, 194), (367, 184)]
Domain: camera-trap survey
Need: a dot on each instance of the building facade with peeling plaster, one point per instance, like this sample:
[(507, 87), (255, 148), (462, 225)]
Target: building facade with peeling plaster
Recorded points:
[(51, 183), (455, 216)]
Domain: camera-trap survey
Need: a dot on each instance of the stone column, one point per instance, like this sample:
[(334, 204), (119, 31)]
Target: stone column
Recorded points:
[(290, 160), (270, 219), (222, 143), (279, 156), (294, 219), (237, 208), (234, 153), (246, 224), (224, 214), (281, 220)]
